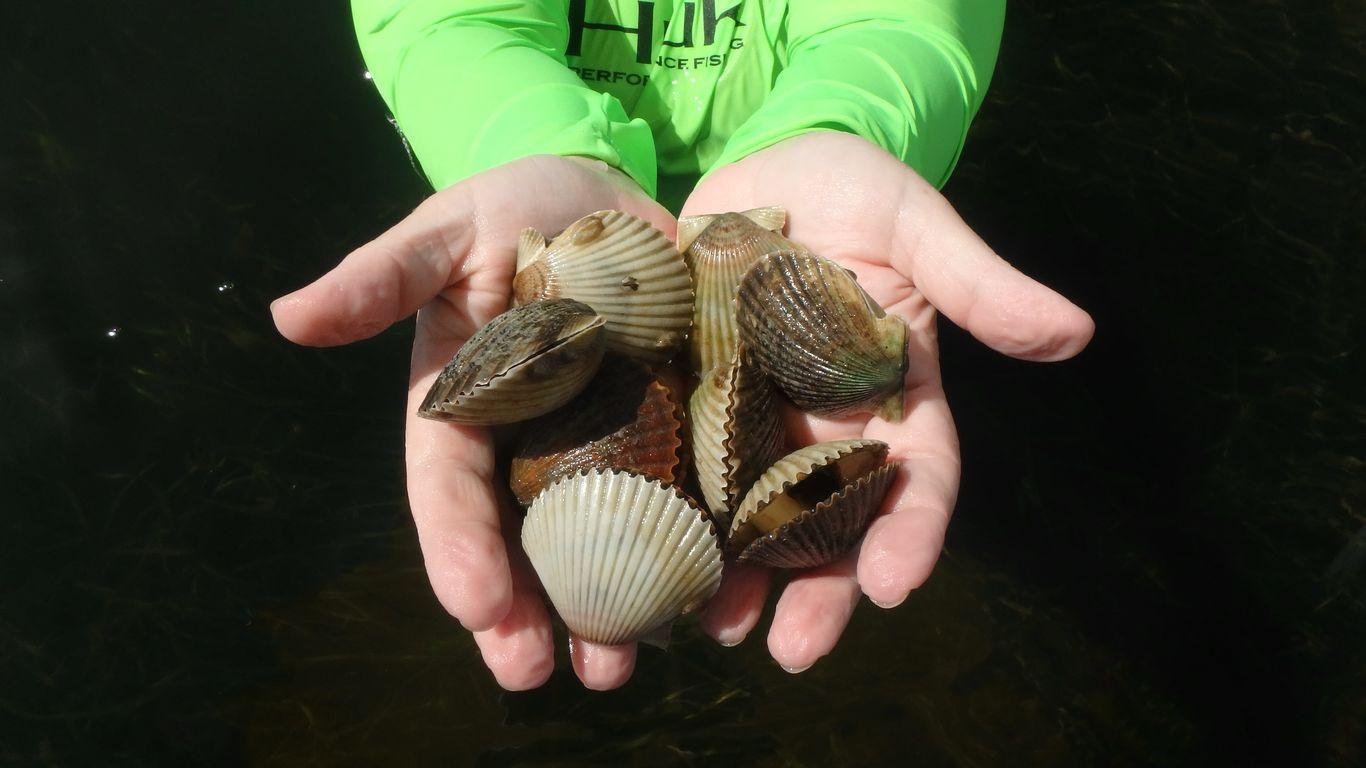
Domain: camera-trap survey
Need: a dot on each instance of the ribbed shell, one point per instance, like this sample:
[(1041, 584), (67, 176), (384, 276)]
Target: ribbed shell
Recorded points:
[(620, 555), (530, 245), (824, 533), (525, 362), (770, 503), (627, 418), (626, 270), (737, 433), (772, 218), (828, 346), (719, 256)]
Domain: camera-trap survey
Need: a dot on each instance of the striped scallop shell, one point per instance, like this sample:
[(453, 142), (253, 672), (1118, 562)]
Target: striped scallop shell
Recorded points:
[(622, 267), (627, 418), (828, 346), (620, 555), (525, 362), (737, 433), (824, 533), (812, 495), (719, 255)]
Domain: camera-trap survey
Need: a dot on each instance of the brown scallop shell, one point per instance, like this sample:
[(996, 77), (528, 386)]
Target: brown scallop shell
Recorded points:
[(737, 433), (525, 362), (827, 345), (718, 256), (823, 534), (627, 418), (624, 268), (812, 505)]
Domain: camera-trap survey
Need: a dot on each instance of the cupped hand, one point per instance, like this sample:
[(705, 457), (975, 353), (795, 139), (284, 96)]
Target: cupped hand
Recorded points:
[(452, 261), (852, 202)]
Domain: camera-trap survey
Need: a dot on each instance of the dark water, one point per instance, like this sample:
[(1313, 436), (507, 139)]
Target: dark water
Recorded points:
[(1159, 556)]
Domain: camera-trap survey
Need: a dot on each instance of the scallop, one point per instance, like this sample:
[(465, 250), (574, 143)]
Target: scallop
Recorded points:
[(826, 344), (624, 268), (736, 433), (620, 555), (812, 505), (526, 362), (720, 249), (627, 418)]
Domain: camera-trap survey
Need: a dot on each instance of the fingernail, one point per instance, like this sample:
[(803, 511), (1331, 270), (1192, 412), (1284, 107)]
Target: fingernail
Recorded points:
[(795, 670), (730, 637), (890, 603)]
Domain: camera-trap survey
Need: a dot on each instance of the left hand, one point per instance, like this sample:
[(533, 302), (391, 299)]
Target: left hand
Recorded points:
[(850, 201)]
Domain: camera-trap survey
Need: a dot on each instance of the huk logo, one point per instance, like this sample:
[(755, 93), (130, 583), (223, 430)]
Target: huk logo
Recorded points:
[(645, 24)]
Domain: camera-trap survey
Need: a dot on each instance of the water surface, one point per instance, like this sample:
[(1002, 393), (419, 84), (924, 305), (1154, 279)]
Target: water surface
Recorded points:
[(1159, 549)]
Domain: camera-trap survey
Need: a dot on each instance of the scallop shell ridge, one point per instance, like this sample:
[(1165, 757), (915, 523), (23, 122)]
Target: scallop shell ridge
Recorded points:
[(824, 533), (795, 467), (737, 433)]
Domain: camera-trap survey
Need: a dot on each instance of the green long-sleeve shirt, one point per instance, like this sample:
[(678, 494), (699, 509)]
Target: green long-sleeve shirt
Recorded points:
[(676, 86)]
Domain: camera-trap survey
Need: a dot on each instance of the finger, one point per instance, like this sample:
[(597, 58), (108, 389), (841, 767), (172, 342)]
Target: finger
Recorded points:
[(735, 608), (454, 504), (977, 289), (902, 545), (602, 667), (385, 280), (812, 614), (519, 649)]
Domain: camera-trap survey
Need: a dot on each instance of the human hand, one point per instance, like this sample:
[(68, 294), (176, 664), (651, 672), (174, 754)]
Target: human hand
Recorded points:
[(850, 201), (452, 261)]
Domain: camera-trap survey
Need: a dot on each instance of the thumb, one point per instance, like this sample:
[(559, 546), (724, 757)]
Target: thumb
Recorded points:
[(383, 281), (976, 289)]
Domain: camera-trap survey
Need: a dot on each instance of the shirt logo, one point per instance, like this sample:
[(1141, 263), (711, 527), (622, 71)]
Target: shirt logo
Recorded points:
[(645, 24)]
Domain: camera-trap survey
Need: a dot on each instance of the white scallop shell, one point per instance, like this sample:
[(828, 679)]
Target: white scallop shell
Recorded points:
[(620, 555), (622, 267)]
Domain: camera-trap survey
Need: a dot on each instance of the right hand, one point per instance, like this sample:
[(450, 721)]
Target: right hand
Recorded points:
[(452, 261)]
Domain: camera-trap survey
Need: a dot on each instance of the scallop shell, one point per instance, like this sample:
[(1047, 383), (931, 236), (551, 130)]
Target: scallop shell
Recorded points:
[(620, 555), (627, 418), (526, 362), (621, 266), (737, 433), (824, 533), (718, 256), (827, 345), (812, 505), (773, 218)]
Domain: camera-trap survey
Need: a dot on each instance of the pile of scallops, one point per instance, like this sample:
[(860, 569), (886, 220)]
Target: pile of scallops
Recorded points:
[(616, 444)]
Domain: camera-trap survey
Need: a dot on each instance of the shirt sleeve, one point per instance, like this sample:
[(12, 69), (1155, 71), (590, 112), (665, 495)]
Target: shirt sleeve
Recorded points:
[(908, 75), (477, 84)]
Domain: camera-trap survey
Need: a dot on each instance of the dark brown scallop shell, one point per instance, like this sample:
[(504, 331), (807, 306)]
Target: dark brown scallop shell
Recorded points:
[(627, 418), (526, 362)]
